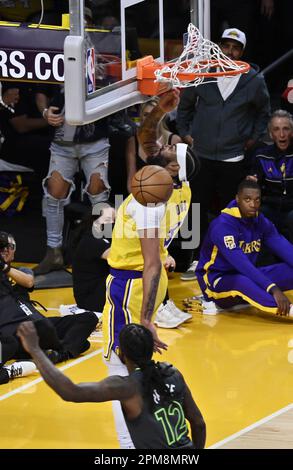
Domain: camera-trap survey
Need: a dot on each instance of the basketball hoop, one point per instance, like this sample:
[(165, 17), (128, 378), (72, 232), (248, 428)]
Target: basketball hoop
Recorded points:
[(201, 62)]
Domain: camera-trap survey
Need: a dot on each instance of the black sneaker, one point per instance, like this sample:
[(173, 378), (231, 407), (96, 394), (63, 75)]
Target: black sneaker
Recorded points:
[(53, 261), (190, 275)]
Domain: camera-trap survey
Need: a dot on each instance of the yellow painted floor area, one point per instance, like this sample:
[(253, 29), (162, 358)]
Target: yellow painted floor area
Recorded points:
[(239, 367)]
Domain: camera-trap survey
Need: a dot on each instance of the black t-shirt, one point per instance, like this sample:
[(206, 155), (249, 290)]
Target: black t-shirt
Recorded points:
[(84, 134), (26, 106), (30, 149), (15, 305), (161, 425), (89, 272)]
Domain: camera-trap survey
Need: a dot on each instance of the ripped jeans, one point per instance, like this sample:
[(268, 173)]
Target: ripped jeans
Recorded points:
[(92, 158)]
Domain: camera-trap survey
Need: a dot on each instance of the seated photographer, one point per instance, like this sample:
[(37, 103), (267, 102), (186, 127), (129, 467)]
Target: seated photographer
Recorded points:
[(61, 337)]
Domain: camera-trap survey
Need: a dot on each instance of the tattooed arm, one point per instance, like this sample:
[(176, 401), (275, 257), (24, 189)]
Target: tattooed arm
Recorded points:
[(111, 388), (150, 246), (148, 133)]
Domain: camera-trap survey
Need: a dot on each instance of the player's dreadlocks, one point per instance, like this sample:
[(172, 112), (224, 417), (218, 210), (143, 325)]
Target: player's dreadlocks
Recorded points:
[(137, 343)]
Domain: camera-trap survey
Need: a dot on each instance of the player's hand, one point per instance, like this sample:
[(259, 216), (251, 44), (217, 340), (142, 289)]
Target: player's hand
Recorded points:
[(169, 100), (158, 344), (282, 301), (4, 266), (28, 335), (170, 264), (53, 118)]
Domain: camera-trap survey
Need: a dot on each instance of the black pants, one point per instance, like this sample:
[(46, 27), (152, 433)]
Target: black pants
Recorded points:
[(9, 348), (214, 187), (73, 331), (68, 334)]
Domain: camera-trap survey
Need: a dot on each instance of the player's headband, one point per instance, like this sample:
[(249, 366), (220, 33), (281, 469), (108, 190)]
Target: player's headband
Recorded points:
[(185, 161)]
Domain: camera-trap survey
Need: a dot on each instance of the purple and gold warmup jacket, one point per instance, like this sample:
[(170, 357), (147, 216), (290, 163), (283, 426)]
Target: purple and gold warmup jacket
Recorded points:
[(232, 245)]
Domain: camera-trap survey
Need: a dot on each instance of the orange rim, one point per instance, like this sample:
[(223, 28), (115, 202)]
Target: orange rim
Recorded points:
[(148, 85), (146, 68), (188, 76)]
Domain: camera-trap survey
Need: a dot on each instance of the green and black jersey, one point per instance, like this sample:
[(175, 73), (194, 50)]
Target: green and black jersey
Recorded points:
[(161, 424)]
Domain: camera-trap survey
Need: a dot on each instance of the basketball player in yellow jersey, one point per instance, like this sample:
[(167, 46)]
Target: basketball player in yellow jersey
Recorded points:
[(138, 280)]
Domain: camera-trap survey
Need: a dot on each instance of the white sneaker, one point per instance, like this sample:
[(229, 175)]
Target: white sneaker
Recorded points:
[(72, 309), (165, 318), (184, 316), (20, 369), (190, 275), (210, 308)]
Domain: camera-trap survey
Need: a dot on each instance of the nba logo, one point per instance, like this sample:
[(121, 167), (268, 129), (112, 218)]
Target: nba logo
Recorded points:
[(90, 70)]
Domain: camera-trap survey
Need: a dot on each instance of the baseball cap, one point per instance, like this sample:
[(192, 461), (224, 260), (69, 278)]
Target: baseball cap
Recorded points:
[(235, 34)]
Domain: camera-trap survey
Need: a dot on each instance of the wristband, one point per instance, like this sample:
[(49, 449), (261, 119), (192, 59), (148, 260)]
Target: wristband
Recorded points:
[(44, 111)]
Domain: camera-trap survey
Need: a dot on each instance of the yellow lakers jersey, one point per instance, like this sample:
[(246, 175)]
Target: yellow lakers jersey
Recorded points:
[(125, 252)]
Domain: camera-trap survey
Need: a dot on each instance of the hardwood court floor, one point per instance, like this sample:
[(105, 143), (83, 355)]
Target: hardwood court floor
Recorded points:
[(239, 367)]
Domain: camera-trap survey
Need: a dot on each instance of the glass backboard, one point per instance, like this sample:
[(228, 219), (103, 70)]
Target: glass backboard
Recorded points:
[(100, 60), (100, 56)]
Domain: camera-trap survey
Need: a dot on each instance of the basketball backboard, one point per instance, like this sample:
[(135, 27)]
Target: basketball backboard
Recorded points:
[(100, 63), (100, 67)]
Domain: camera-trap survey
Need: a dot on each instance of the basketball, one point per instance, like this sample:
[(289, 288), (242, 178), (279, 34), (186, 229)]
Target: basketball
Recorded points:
[(151, 185)]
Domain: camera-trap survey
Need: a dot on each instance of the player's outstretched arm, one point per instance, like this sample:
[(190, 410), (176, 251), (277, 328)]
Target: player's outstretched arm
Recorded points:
[(150, 245), (148, 132), (111, 388)]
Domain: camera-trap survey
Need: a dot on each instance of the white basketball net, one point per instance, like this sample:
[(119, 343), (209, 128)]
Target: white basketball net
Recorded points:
[(198, 56)]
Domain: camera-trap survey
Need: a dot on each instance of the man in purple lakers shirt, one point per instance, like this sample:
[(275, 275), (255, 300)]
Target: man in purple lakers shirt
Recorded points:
[(227, 272)]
